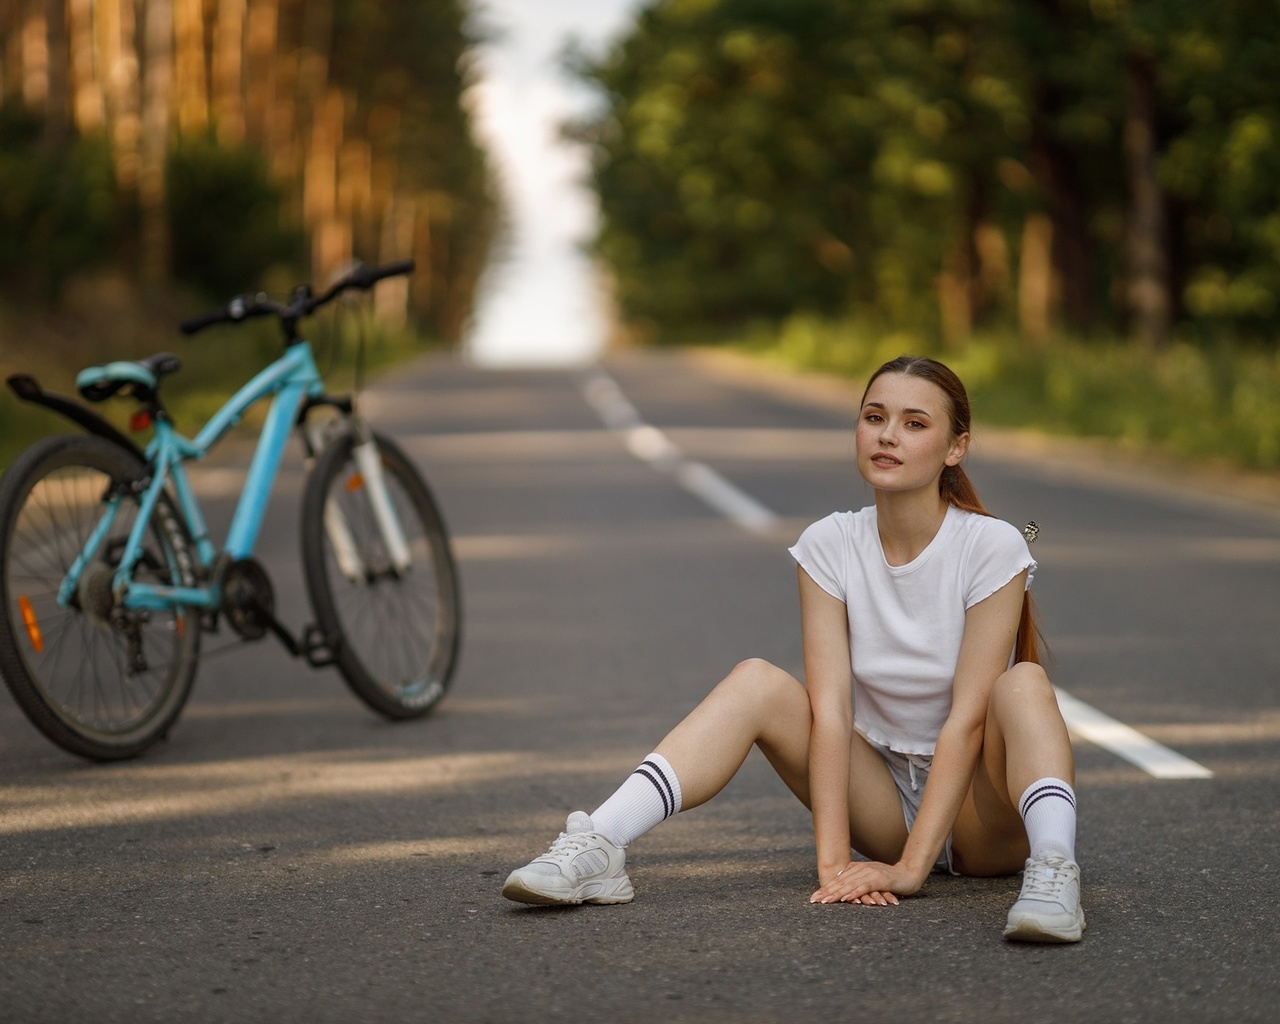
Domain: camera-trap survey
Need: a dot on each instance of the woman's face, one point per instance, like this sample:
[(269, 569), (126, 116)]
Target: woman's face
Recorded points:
[(904, 434)]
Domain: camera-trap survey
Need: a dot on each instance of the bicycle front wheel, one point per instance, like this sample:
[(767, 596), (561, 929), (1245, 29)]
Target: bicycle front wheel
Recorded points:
[(100, 681), (392, 618)]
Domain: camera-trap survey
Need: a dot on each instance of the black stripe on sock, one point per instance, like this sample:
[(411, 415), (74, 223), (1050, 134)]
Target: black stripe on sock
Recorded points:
[(1046, 791), (665, 781), (666, 805)]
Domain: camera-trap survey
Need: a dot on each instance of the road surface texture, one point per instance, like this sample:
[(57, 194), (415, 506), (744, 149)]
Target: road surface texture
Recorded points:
[(286, 855)]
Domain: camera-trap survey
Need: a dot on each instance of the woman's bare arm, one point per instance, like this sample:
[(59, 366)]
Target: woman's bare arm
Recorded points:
[(829, 680), (990, 627)]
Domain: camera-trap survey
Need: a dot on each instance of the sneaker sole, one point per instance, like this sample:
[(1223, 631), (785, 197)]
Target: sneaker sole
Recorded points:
[(516, 891), (1028, 929)]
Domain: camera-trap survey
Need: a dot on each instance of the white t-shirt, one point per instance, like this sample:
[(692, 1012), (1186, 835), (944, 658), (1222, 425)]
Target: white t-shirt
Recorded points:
[(906, 621)]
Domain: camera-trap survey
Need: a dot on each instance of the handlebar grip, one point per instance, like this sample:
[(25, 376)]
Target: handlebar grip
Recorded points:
[(367, 277), (242, 307), (198, 323), (396, 268)]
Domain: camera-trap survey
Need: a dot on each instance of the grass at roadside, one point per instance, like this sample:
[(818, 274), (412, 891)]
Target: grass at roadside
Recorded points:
[(1222, 403), (214, 364)]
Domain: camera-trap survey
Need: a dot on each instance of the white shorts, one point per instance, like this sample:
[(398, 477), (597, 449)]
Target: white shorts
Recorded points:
[(909, 773)]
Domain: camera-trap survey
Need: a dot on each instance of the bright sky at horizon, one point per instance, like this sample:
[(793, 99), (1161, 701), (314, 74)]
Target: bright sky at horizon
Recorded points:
[(540, 302)]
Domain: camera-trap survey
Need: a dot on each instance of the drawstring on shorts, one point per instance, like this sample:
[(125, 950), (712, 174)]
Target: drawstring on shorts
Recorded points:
[(917, 762)]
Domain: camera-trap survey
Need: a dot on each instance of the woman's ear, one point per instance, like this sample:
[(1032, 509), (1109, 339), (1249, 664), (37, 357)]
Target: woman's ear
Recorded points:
[(958, 449)]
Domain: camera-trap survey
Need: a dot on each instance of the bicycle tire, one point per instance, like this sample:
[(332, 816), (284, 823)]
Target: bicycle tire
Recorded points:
[(92, 684), (395, 636)]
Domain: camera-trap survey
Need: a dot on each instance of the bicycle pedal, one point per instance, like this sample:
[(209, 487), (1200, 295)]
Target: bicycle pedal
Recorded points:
[(318, 647)]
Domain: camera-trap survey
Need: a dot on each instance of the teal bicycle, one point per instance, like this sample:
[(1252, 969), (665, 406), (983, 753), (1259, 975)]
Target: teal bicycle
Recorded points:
[(109, 578)]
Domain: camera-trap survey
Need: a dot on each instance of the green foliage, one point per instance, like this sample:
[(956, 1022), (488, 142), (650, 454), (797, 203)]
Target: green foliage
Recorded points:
[(1215, 402), (757, 159), (227, 218), (57, 204), (357, 108)]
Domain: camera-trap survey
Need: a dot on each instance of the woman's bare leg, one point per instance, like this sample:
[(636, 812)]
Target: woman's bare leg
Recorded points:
[(755, 704), (1026, 759), (760, 704), (1025, 740)]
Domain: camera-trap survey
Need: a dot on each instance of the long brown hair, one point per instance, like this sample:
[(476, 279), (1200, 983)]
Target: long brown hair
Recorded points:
[(955, 487)]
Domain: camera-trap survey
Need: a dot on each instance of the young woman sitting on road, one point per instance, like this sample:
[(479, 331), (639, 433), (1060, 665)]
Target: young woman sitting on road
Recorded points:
[(928, 736)]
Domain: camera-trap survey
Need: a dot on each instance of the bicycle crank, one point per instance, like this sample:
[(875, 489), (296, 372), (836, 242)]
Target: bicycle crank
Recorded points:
[(249, 604)]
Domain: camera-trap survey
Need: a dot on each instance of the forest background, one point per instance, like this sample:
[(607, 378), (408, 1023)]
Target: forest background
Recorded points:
[(1074, 202)]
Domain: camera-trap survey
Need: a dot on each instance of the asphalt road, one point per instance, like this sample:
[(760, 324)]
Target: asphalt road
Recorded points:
[(288, 856)]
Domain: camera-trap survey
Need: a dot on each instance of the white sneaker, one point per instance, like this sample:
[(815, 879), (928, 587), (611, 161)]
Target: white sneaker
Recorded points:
[(1048, 909), (582, 866)]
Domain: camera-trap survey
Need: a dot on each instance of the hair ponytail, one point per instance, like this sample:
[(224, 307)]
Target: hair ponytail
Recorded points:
[(955, 487)]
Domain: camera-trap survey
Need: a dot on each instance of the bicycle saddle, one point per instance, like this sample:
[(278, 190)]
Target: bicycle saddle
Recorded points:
[(139, 378)]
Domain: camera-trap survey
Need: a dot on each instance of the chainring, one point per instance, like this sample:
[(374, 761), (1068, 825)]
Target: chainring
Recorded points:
[(248, 601)]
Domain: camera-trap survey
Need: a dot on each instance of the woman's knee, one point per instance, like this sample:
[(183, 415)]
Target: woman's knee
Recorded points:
[(759, 682), (1026, 683), (1024, 714)]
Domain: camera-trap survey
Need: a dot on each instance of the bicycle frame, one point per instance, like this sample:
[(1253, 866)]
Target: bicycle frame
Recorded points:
[(291, 378)]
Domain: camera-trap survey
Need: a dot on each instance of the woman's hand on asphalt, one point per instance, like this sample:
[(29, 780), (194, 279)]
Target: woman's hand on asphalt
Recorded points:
[(869, 883)]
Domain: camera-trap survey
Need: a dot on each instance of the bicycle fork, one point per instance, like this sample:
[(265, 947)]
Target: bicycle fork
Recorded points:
[(371, 481)]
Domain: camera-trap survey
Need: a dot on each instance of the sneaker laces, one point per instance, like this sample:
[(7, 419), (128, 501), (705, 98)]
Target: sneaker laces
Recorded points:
[(1045, 879), (567, 844)]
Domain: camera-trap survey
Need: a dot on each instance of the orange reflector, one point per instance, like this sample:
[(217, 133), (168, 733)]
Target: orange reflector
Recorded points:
[(355, 481), (33, 627), (139, 421)]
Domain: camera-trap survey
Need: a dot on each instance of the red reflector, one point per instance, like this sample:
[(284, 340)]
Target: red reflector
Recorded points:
[(139, 421), (32, 626)]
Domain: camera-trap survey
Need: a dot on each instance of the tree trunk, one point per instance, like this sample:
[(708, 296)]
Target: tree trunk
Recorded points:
[(1073, 255), (227, 93), (1147, 284), (57, 98), (89, 105), (157, 82), (391, 300), (190, 82), (962, 290), (262, 55), (1035, 280), (330, 234), (118, 46)]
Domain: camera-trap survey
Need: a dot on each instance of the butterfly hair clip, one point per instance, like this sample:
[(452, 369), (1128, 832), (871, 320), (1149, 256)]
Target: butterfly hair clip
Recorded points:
[(1031, 531)]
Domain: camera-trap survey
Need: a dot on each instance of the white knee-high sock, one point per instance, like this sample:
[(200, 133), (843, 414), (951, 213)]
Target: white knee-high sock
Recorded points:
[(1048, 809), (650, 795)]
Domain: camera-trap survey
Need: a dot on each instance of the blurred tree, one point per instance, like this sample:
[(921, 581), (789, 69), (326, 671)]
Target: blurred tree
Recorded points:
[(945, 162), (1219, 108), (355, 107), (229, 209), (826, 155), (56, 206)]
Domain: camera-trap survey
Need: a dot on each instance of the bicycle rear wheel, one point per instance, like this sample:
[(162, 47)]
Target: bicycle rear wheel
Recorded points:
[(395, 633), (99, 681)]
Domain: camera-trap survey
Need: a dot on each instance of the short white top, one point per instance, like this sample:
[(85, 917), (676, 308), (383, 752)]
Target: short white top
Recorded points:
[(906, 621)]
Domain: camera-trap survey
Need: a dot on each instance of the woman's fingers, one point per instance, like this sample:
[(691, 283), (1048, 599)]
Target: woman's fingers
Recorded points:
[(875, 899), (862, 882)]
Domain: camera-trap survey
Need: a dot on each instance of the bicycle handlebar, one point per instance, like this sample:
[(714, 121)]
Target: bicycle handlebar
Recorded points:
[(304, 303)]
